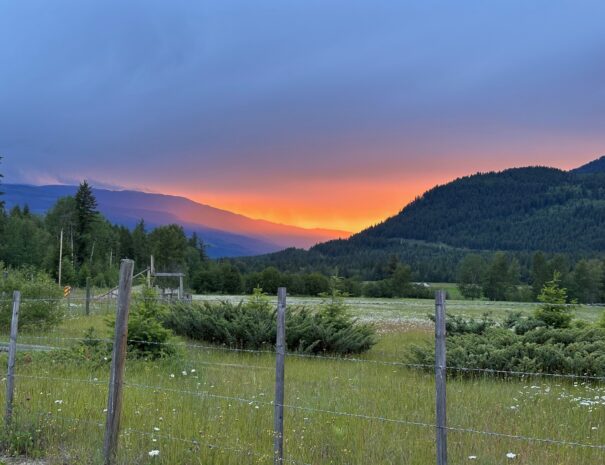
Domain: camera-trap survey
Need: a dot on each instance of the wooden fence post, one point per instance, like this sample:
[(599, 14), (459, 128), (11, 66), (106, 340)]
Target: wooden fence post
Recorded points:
[(87, 296), (280, 351), (12, 355), (440, 378), (118, 359)]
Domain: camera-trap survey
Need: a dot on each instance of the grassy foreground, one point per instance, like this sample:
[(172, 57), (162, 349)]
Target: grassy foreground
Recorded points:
[(214, 406)]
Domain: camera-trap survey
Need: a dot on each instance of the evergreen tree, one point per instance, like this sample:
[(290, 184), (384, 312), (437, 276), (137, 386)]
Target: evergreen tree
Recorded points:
[(392, 265), (400, 281), (168, 245), (230, 278), (86, 212), (554, 311), (198, 244), (586, 279), (501, 278), (470, 276), (140, 246), (541, 273)]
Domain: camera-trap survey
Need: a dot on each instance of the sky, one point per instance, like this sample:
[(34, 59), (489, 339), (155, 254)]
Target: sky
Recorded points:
[(316, 113)]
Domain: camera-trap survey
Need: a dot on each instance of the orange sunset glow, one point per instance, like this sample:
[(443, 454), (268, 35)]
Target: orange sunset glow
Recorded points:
[(347, 206), (301, 119), (352, 204)]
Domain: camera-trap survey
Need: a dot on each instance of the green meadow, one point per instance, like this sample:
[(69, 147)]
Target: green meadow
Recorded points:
[(208, 405)]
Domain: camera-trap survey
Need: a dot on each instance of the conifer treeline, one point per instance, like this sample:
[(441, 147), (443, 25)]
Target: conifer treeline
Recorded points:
[(367, 265)]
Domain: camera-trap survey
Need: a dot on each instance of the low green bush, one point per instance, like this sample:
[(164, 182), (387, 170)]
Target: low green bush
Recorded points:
[(459, 325), (40, 305), (549, 341), (330, 329), (252, 325), (147, 337), (577, 351)]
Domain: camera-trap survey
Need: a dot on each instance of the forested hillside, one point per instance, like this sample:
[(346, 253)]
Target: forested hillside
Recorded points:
[(518, 210), (453, 233), (595, 166)]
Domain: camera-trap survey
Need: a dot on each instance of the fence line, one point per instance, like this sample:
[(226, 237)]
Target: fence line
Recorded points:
[(248, 401), (116, 383), (106, 298), (12, 356), (118, 365), (421, 366)]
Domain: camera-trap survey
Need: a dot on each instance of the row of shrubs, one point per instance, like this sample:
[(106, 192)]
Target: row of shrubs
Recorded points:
[(549, 341), (252, 325), (247, 324), (578, 351)]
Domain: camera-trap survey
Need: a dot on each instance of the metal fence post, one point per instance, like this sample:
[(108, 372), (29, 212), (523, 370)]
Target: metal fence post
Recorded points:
[(280, 351), (12, 355), (118, 359), (440, 378)]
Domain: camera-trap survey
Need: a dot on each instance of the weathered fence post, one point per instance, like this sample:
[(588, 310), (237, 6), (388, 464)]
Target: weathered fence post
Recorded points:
[(116, 377), (12, 355), (87, 296), (181, 287), (280, 351), (440, 378)]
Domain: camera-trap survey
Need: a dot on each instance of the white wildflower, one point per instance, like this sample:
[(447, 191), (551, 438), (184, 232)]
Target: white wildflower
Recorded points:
[(154, 453), (511, 455)]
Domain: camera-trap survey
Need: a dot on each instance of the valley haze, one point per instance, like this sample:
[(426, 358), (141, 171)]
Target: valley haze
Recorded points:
[(226, 234)]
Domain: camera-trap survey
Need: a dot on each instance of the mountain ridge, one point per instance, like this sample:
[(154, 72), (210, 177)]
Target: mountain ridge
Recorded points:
[(592, 167), (518, 210), (226, 233)]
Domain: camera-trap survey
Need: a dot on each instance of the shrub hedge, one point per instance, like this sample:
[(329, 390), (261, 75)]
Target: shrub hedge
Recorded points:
[(252, 325), (578, 350)]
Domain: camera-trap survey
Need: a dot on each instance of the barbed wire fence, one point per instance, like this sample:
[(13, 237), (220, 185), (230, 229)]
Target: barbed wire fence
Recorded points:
[(117, 383)]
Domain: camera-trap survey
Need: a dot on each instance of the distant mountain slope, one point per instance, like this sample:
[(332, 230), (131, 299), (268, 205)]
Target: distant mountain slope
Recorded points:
[(227, 234), (518, 210), (595, 166)]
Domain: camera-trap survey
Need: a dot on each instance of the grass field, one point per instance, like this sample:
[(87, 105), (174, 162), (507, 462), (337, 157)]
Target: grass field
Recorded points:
[(416, 311), (212, 406)]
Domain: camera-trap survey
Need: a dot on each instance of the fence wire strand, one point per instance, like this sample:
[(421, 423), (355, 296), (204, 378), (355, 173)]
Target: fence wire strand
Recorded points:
[(420, 366), (258, 402), (248, 401)]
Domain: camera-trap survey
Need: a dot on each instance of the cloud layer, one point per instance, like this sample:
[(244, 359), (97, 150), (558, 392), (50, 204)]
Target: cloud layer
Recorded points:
[(331, 113)]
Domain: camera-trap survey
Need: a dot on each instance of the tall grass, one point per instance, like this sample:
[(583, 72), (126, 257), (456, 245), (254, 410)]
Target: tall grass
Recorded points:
[(209, 406)]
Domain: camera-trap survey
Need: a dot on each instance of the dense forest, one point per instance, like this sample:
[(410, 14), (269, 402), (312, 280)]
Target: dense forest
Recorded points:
[(482, 232), (518, 211)]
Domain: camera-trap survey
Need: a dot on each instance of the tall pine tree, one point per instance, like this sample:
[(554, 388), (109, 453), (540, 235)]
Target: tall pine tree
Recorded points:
[(86, 213)]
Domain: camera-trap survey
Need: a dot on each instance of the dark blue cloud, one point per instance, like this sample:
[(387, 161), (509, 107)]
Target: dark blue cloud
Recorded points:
[(204, 90)]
